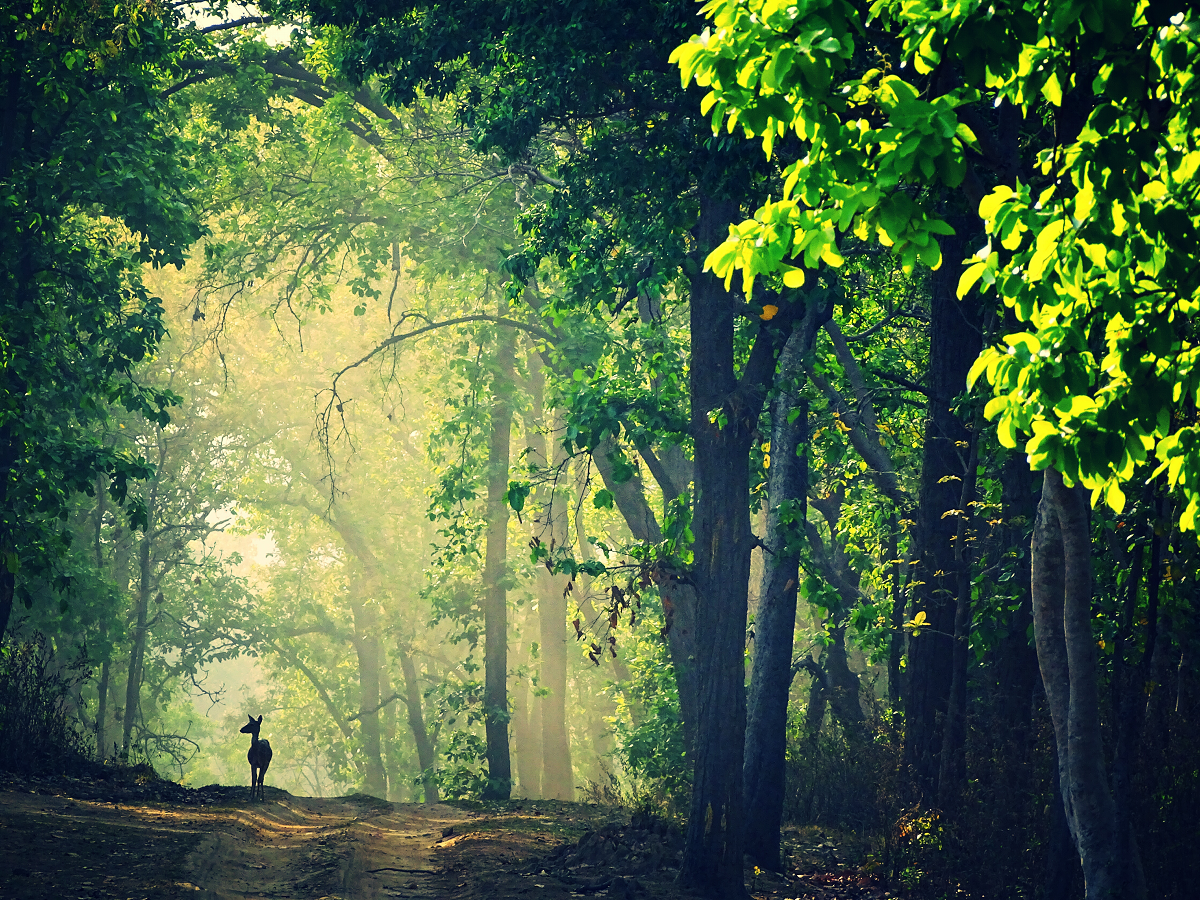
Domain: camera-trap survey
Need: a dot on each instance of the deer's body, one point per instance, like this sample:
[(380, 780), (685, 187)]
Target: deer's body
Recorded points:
[(259, 757)]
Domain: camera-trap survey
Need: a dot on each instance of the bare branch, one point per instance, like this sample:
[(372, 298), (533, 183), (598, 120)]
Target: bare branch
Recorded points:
[(878, 326), (534, 330), (882, 472), (236, 23)]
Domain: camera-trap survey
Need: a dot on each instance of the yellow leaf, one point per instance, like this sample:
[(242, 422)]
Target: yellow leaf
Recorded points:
[(768, 312)]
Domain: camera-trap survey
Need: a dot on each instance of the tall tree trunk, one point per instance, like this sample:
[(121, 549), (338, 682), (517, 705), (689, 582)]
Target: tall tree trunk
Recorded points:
[(712, 859), (954, 343), (495, 595), (8, 558), (775, 620), (367, 649), (388, 730), (426, 758), (558, 774), (952, 770), (527, 741), (137, 650), (1066, 645), (550, 526), (678, 596), (105, 664)]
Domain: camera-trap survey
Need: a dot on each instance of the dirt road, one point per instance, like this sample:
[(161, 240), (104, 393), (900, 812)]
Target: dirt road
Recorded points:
[(309, 848), (124, 838), (71, 839)]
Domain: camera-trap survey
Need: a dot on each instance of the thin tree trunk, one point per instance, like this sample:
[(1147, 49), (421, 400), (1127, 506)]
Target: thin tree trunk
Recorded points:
[(426, 758), (896, 641), (137, 650), (1062, 595), (775, 620), (8, 462), (527, 741), (678, 597), (954, 343), (495, 595), (550, 526), (367, 649), (105, 665), (558, 775), (952, 773)]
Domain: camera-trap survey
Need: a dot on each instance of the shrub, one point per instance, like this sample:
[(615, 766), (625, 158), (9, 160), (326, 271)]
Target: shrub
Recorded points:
[(38, 734)]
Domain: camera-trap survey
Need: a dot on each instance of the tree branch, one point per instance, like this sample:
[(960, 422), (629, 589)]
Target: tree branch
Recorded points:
[(236, 23)]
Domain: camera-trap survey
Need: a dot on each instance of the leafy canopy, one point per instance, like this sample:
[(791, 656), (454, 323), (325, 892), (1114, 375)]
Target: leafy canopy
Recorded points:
[(1093, 242), (93, 184)]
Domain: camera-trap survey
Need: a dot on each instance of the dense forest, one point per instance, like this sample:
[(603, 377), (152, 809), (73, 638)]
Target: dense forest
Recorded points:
[(760, 414)]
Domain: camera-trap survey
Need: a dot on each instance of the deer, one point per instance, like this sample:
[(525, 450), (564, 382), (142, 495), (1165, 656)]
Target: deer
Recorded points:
[(259, 756)]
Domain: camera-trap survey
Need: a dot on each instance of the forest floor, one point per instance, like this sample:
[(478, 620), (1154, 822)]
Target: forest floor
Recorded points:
[(138, 838)]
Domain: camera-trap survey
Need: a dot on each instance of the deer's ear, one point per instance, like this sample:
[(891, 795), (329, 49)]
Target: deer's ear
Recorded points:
[(260, 720), (251, 718)]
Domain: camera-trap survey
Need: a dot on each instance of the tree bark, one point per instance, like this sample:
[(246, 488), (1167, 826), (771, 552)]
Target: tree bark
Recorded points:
[(426, 757), (954, 343), (495, 594), (137, 650), (550, 524), (367, 649), (952, 770), (724, 415), (558, 774), (775, 619), (1066, 645), (8, 547), (899, 569), (678, 596), (106, 662)]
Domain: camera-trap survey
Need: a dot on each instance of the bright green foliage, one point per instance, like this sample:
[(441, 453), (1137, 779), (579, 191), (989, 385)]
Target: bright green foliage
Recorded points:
[(92, 184), (1094, 245), (871, 137), (1102, 265)]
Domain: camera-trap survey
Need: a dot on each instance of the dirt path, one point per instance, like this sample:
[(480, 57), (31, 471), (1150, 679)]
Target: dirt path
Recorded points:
[(53, 845), (113, 839), (304, 847)]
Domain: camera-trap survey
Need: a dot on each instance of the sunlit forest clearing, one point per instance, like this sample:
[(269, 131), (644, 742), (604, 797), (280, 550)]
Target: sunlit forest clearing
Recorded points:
[(592, 447)]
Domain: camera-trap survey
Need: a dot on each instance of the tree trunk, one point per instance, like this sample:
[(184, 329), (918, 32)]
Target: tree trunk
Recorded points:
[(550, 525), (367, 649), (952, 769), (495, 594), (426, 757), (1062, 620), (775, 620), (899, 569), (712, 859), (558, 775), (106, 663), (678, 597), (954, 343), (137, 650), (527, 751), (8, 548)]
